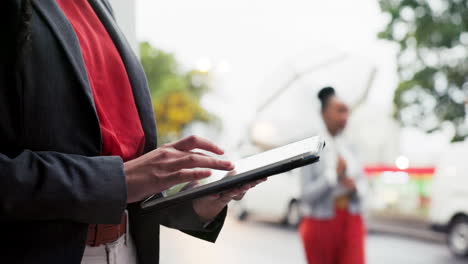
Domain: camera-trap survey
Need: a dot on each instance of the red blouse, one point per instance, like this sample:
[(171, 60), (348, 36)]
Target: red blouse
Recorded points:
[(121, 130)]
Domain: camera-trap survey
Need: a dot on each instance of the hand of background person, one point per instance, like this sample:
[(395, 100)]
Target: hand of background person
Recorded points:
[(348, 183), (209, 207), (341, 167), (170, 165)]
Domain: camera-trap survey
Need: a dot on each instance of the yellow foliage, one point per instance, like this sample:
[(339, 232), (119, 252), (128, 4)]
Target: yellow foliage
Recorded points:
[(175, 110)]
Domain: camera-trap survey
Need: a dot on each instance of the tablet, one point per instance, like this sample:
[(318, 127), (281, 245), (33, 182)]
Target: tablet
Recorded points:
[(256, 167)]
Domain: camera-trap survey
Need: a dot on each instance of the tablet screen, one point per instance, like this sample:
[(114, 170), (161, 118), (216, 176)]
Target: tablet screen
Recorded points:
[(310, 145)]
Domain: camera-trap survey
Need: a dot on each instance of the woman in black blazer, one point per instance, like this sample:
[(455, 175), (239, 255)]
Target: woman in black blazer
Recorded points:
[(54, 182)]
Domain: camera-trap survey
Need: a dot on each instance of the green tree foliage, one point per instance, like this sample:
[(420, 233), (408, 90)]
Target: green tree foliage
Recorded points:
[(176, 94), (432, 62)]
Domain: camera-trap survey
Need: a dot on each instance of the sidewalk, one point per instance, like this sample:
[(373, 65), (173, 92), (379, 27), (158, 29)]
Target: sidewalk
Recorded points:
[(411, 229)]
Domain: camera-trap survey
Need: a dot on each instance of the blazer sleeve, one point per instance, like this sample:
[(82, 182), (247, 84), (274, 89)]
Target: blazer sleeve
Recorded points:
[(47, 185), (181, 217), (185, 219)]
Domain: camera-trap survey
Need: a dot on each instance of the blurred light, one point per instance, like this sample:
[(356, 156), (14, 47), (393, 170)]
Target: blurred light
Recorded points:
[(223, 66), (407, 13), (204, 65), (402, 163), (399, 177), (400, 30), (265, 133)]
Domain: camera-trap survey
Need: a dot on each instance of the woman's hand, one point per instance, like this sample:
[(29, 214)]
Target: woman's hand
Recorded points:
[(348, 183), (210, 206), (169, 165), (341, 167)]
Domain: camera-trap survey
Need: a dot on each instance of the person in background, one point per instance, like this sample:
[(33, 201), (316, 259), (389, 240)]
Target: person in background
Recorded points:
[(332, 229)]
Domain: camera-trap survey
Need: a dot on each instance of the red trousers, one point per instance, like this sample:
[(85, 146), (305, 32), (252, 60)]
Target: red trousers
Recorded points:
[(334, 241)]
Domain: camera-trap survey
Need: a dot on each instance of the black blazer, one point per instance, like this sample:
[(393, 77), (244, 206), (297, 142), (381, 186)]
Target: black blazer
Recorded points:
[(53, 183)]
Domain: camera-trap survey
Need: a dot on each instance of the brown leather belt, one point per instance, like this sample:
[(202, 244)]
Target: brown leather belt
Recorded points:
[(99, 234)]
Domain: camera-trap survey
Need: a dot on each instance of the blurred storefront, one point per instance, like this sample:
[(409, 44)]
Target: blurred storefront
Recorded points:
[(399, 194)]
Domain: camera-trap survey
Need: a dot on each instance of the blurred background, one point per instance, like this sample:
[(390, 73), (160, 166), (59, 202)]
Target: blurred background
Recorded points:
[(245, 74)]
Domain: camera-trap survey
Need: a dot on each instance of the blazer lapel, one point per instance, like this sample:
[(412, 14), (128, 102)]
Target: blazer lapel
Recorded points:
[(70, 43), (135, 73), (65, 34)]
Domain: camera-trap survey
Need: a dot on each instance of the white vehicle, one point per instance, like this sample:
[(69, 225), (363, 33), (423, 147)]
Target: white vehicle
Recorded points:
[(449, 205), (277, 199)]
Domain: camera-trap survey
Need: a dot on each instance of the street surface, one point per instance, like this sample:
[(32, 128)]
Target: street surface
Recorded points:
[(263, 242)]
